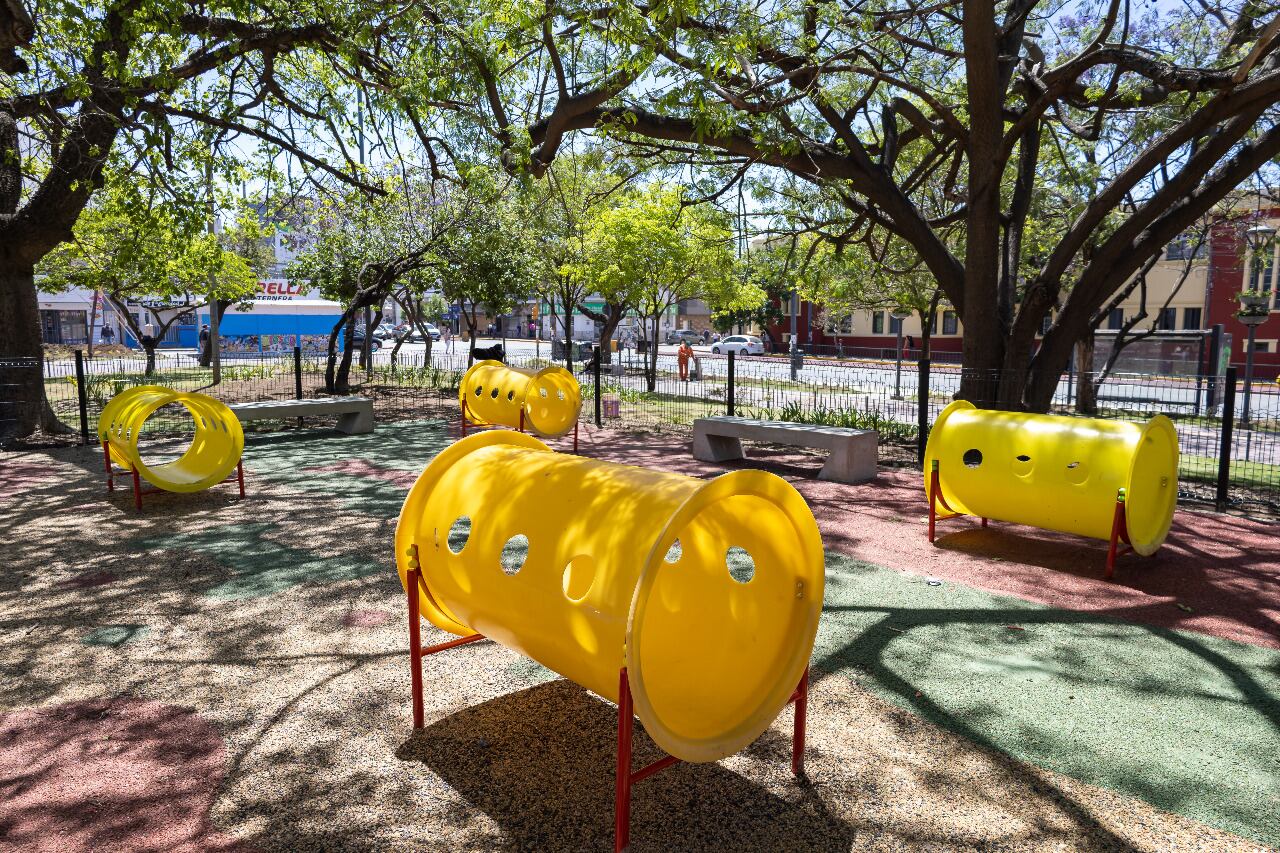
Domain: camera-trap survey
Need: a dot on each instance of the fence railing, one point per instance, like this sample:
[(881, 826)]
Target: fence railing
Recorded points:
[(1224, 461)]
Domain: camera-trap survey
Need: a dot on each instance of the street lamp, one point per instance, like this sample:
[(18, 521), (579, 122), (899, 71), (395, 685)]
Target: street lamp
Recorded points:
[(1254, 307), (899, 314)]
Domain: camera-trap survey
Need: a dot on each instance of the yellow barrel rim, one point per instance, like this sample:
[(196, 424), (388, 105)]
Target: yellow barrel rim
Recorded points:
[(464, 388), (551, 420), (809, 590), (213, 453), (1151, 491), (930, 446)]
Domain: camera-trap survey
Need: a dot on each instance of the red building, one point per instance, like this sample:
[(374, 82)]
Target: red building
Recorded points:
[(1230, 258)]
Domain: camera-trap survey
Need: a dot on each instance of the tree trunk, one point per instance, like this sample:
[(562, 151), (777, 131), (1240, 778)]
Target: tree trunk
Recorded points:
[(1086, 390), (610, 319), (331, 362), (206, 354), (342, 383), (20, 338), (149, 347)]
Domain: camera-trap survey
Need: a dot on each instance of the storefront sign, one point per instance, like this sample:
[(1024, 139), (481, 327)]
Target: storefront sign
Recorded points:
[(283, 290)]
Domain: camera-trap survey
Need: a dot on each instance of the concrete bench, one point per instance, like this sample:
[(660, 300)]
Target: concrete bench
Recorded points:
[(355, 414), (853, 451)]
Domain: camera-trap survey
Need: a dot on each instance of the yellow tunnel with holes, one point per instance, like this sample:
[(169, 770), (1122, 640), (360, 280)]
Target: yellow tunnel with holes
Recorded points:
[(493, 393), (1058, 473), (708, 592), (214, 451)]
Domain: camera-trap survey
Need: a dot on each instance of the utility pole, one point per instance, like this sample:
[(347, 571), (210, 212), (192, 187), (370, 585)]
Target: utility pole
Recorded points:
[(215, 342)]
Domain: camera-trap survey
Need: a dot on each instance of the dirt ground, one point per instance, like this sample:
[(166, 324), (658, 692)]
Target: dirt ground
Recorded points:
[(225, 674)]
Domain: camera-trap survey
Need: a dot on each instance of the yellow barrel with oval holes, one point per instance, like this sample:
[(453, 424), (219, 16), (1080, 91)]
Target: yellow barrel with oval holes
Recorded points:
[(215, 447), (1059, 473), (493, 393), (708, 592)]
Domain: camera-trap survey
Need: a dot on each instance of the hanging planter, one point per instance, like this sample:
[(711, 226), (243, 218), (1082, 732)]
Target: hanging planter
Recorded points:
[(1253, 299)]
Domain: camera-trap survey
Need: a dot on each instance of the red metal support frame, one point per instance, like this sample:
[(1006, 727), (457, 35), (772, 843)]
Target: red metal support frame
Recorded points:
[(111, 474), (464, 416), (1119, 533), (416, 651), (624, 778)]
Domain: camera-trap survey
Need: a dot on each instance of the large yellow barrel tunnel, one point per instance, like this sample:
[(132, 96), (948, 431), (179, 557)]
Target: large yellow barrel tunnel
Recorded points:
[(708, 592), (493, 393), (1058, 473), (215, 448)]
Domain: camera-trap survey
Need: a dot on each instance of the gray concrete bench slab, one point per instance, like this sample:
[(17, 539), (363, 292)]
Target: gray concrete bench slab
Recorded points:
[(355, 414), (852, 456)]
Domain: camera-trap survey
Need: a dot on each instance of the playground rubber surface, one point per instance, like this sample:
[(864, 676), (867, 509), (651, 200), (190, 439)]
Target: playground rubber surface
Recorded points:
[(222, 675)]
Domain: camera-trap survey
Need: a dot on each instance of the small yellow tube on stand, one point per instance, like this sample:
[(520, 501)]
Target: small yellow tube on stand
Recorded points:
[(214, 451), (713, 651), (545, 401), (1058, 473)]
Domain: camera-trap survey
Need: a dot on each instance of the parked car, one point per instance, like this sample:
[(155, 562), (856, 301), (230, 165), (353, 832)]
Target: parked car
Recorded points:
[(414, 336), (679, 336), (740, 344), (384, 331), (357, 342)]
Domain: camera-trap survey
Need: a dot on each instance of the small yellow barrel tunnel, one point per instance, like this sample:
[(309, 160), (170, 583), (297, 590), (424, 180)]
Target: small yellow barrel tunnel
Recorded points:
[(214, 451), (1059, 473), (708, 592), (493, 393)]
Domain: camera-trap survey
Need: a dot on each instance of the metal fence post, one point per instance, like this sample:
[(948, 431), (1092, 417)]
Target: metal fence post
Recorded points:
[(297, 372), (1228, 426), (82, 394), (729, 393), (922, 413), (595, 368)]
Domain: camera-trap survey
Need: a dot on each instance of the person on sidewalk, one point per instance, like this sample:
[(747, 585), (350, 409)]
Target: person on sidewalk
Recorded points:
[(682, 359)]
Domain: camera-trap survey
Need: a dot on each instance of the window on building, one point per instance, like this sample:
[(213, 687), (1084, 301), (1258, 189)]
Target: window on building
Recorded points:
[(1262, 268), (877, 322), (895, 325), (1167, 319), (1115, 319), (1264, 346), (949, 324), (1191, 318), (1186, 247)]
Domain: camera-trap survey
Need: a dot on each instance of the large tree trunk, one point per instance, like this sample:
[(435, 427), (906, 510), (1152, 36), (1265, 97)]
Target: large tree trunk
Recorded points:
[(20, 338), (609, 319), (1086, 389)]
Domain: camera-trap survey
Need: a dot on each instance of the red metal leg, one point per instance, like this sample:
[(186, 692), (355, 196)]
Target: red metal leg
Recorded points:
[(522, 419), (464, 417), (622, 780), (240, 475), (1118, 532), (106, 458), (575, 436), (984, 521), (137, 491), (415, 640), (933, 500), (801, 717)]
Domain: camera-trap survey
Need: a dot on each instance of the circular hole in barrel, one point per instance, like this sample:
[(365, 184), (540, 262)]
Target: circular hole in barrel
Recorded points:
[(1022, 465), (560, 394), (578, 576), (494, 394), (1076, 473), (511, 395), (479, 390), (542, 391), (973, 457), (742, 567), (673, 553), (459, 533), (514, 552)]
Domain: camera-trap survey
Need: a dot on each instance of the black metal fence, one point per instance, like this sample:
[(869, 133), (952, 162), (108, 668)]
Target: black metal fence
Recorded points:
[(1225, 462)]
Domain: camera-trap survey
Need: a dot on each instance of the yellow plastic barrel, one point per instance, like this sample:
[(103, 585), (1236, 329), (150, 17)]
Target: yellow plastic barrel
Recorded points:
[(1058, 473), (493, 393), (214, 451), (713, 647)]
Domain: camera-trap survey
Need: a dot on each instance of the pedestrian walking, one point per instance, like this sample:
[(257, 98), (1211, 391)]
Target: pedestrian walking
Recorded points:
[(446, 337), (682, 359), (108, 335), (204, 338)]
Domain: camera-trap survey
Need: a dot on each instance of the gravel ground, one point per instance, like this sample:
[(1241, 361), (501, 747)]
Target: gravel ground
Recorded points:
[(277, 623)]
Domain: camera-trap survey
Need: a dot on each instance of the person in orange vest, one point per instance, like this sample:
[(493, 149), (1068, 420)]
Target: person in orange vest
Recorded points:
[(682, 358)]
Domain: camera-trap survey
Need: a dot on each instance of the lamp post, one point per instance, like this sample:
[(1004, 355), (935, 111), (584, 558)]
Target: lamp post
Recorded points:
[(900, 315), (794, 349), (1254, 307)]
